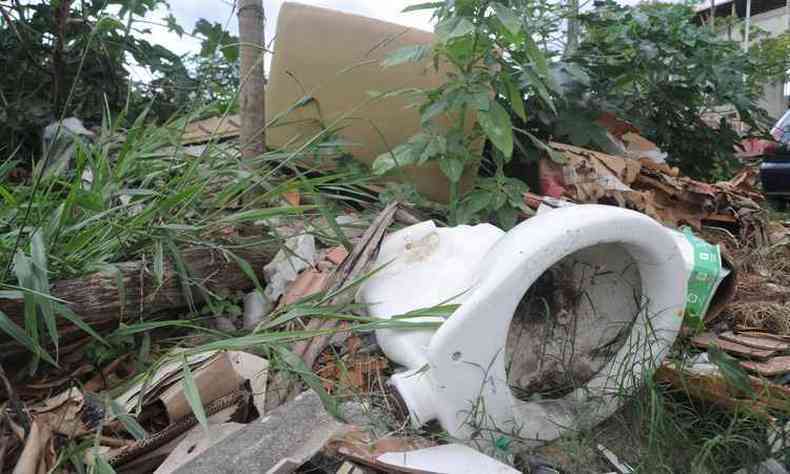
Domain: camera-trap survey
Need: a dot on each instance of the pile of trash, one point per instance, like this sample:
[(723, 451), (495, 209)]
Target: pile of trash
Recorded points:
[(507, 339), (658, 190)]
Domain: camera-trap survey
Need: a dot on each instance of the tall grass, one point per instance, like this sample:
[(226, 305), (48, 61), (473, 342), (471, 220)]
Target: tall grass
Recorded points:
[(138, 194)]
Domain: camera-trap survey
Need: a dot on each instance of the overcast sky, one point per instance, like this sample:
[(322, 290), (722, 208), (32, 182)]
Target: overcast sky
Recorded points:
[(188, 12)]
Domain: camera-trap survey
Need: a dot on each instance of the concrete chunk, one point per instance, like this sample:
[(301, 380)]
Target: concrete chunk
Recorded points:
[(279, 443)]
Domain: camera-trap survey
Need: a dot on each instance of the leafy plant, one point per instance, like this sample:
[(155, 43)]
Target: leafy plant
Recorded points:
[(652, 65), (67, 58), (476, 100)]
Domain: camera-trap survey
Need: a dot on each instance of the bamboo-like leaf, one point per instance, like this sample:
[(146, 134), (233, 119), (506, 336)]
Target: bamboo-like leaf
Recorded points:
[(128, 421), (101, 466), (263, 214), (193, 395), (422, 6), (159, 262), (731, 370), (454, 28), (76, 320), (407, 54), (246, 268), (296, 365), (20, 336)]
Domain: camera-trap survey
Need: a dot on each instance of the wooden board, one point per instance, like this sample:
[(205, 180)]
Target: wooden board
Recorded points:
[(758, 342), (770, 368), (705, 340)]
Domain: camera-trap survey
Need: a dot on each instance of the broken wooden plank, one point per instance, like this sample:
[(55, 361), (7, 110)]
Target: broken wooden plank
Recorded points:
[(769, 368), (747, 331), (757, 342), (705, 340), (713, 388)]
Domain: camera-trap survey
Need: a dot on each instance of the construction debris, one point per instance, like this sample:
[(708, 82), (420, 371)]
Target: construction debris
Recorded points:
[(279, 443), (655, 189), (443, 459), (363, 448), (297, 254)]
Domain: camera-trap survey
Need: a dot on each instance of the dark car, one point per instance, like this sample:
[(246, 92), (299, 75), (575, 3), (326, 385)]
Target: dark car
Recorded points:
[(775, 168)]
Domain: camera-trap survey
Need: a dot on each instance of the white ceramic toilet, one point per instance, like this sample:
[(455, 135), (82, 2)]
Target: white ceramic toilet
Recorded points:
[(610, 280)]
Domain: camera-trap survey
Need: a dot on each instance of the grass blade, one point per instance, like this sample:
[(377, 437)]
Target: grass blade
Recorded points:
[(193, 395), (20, 336)]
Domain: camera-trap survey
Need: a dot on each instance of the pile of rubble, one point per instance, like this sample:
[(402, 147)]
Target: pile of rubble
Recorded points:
[(654, 188)]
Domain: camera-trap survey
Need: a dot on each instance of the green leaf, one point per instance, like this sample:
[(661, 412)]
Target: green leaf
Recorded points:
[(497, 126), (401, 155), (442, 311), (101, 466), (295, 364), (40, 281), (246, 268), (76, 320), (454, 28), (159, 262), (432, 110), (20, 336), (172, 25), (426, 146), (453, 168), (731, 370), (516, 99), (127, 420), (407, 54), (537, 57), (510, 20), (530, 78), (193, 395), (262, 214), (422, 6), (478, 200), (506, 217)]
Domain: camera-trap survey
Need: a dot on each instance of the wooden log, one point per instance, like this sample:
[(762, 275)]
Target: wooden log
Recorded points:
[(97, 298)]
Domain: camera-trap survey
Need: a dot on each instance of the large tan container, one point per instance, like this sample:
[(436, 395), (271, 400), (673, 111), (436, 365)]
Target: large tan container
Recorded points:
[(335, 58)]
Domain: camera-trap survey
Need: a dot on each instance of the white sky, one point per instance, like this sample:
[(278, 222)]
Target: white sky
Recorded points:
[(188, 12)]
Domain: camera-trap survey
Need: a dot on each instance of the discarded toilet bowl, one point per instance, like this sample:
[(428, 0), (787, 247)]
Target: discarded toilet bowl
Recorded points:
[(611, 284)]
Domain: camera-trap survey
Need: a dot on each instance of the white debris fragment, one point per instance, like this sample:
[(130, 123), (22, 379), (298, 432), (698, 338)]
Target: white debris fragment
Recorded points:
[(256, 306), (299, 253)]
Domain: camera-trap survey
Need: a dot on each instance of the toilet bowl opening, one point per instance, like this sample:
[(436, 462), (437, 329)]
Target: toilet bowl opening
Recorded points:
[(572, 322)]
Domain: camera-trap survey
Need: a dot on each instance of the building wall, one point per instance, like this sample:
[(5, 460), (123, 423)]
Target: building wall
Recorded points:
[(773, 22)]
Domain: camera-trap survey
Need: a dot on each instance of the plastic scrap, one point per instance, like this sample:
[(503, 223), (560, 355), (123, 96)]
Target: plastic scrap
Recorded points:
[(445, 459)]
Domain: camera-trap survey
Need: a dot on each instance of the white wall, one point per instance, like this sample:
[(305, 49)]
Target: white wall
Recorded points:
[(773, 22)]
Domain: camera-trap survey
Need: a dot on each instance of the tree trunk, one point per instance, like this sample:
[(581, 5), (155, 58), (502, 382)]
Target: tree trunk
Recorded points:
[(572, 37), (252, 97), (101, 302)]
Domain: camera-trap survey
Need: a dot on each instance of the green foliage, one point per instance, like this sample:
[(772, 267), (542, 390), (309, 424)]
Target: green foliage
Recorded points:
[(63, 58), (145, 199), (654, 66), (773, 56), (470, 38), (67, 58)]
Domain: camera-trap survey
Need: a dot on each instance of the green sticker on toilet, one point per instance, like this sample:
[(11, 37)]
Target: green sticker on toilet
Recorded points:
[(702, 281)]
